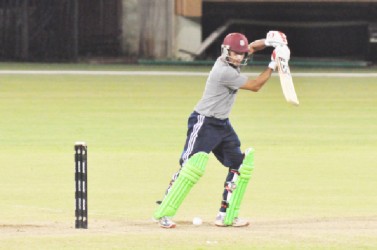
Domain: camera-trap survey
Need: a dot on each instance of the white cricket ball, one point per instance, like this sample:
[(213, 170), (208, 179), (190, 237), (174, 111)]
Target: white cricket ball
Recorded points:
[(197, 221)]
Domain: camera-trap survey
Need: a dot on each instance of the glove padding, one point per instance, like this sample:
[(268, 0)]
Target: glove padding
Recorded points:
[(275, 38), (282, 52)]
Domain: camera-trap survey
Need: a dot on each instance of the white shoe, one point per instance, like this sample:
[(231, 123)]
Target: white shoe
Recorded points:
[(237, 222), (166, 222)]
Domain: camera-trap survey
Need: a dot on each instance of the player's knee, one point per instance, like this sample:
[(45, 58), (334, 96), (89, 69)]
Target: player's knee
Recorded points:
[(235, 161)]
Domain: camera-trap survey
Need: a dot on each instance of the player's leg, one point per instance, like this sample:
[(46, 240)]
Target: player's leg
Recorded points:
[(237, 190), (190, 173), (201, 139), (230, 155), (195, 124)]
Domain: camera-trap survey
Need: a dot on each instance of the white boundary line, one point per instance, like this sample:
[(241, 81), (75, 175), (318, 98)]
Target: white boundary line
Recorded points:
[(165, 73)]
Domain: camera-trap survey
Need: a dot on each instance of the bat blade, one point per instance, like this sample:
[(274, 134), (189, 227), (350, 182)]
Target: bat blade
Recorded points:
[(286, 81)]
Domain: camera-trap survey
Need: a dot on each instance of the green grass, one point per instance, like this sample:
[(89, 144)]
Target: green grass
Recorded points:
[(313, 186)]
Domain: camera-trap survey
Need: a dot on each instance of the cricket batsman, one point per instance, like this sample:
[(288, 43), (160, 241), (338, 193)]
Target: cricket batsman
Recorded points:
[(209, 130)]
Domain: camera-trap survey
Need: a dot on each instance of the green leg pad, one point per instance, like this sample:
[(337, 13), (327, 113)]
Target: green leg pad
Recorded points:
[(241, 184), (188, 176)]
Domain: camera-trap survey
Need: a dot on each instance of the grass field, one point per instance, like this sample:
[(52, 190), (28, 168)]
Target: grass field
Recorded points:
[(314, 184)]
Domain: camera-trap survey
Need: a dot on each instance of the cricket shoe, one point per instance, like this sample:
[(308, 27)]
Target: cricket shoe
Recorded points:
[(165, 222), (237, 222)]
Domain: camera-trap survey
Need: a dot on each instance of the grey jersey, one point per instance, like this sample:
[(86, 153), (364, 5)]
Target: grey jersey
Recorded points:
[(220, 92)]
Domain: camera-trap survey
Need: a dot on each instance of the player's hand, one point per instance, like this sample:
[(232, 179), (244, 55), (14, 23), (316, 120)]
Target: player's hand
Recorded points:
[(275, 38), (282, 52), (272, 64)]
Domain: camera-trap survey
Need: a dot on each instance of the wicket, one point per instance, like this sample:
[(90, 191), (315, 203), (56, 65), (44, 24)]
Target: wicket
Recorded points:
[(81, 179)]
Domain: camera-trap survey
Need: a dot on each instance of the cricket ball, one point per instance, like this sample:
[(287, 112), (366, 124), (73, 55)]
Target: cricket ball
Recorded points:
[(197, 221)]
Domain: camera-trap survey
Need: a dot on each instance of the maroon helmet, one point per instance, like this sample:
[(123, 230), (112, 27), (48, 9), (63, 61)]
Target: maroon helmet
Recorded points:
[(236, 42)]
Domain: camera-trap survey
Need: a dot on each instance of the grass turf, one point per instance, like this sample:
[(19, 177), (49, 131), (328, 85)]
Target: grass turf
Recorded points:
[(313, 184)]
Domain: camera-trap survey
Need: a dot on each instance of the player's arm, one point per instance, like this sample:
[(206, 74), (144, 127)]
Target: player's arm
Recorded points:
[(257, 83), (273, 38), (257, 45)]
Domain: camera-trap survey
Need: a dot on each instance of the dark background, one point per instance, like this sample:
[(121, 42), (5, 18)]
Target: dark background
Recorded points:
[(59, 30), (65, 30), (326, 30)]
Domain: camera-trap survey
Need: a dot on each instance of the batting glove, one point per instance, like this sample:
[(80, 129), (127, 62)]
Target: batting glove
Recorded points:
[(275, 38), (283, 52)]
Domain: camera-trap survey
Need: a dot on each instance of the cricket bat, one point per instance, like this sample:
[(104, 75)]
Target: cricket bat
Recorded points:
[(286, 81)]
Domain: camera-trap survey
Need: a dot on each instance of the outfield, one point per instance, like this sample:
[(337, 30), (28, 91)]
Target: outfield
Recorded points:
[(314, 184)]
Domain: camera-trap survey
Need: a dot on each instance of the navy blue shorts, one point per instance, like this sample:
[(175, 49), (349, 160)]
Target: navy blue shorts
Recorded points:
[(210, 134)]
